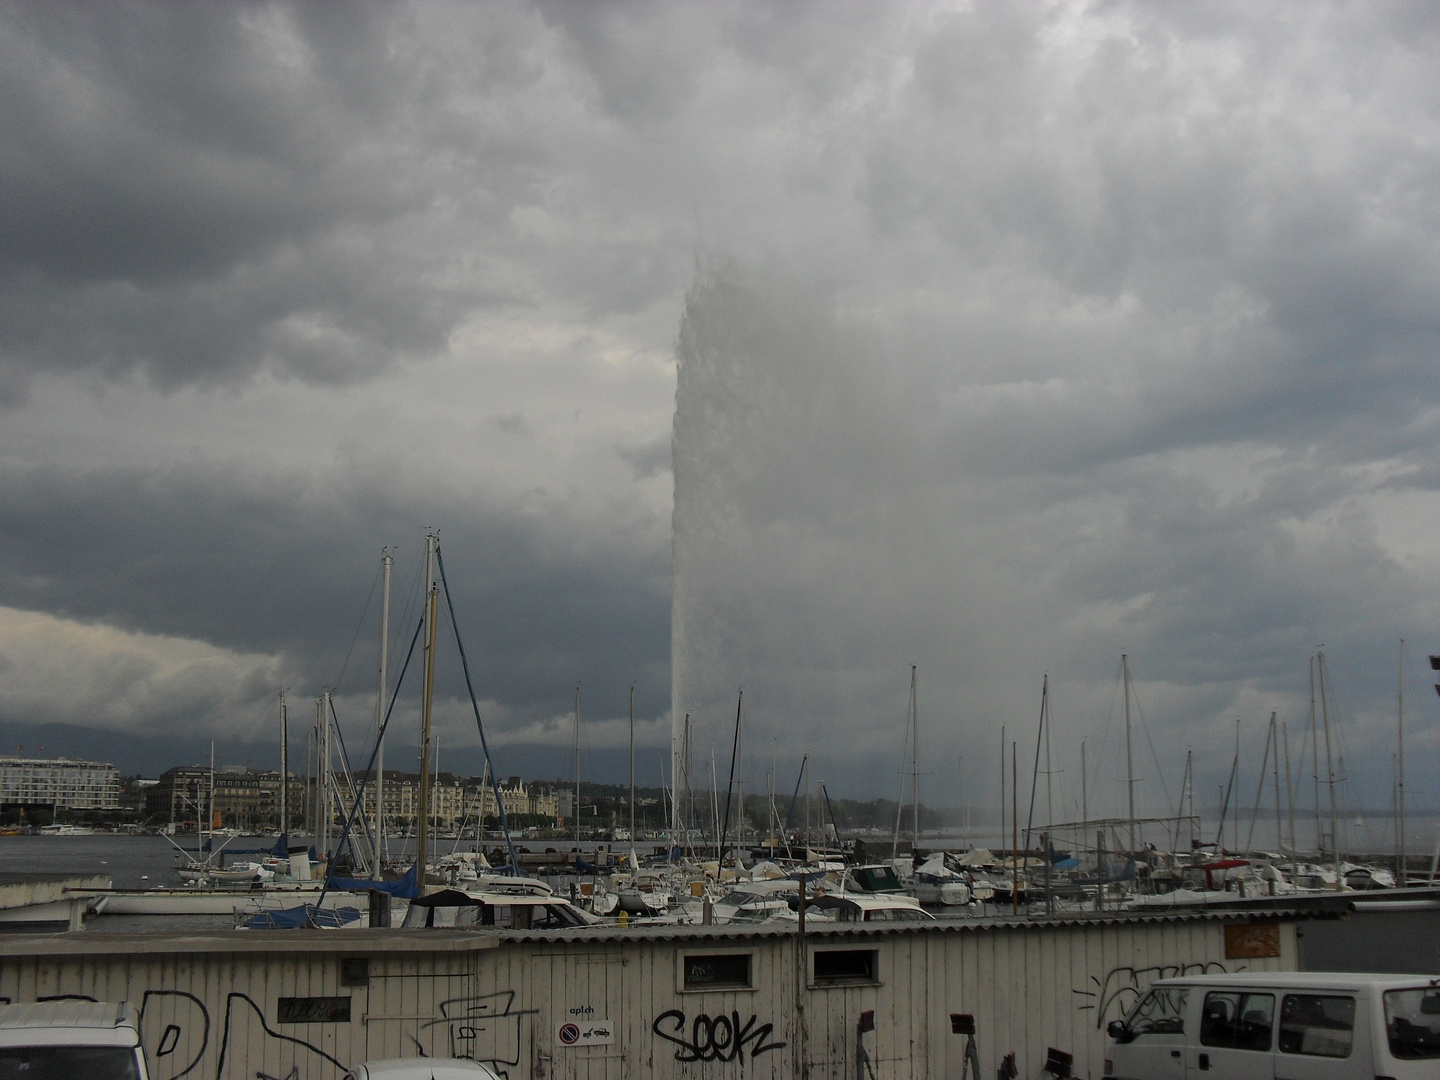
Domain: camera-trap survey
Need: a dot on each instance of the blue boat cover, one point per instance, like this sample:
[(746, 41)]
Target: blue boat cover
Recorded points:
[(407, 887), (1063, 862), (306, 915)]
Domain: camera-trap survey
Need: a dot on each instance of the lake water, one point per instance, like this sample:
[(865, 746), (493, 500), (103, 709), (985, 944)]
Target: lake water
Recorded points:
[(133, 862)]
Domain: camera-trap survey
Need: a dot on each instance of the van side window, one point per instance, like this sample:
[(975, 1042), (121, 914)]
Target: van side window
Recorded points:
[(1412, 1022), (1237, 1020), (1321, 1026), (1160, 1012)]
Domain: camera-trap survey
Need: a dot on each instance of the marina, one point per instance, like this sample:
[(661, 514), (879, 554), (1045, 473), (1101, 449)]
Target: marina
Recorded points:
[(747, 541)]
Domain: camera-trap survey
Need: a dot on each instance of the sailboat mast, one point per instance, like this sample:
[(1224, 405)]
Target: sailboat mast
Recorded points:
[(1400, 860), (1289, 795), (1329, 767), (210, 815), (1279, 819), (900, 789), (321, 835), (1049, 786), (1129, 756), (715, 812), (1039, 740), (738, 766), (310, 797), (632, 765), (915, 767), (1002, 785), (577, 771), (1236, 832), (427, 696), (385, 561), (284, 774), (1014, 829), (1315, 764), (1190, 791)]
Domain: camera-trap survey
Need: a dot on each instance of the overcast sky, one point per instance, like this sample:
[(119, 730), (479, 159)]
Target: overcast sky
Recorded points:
[(1008, 338)]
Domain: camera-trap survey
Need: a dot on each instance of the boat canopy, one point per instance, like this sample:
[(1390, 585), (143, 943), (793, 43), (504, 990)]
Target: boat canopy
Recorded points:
[(407, 887)]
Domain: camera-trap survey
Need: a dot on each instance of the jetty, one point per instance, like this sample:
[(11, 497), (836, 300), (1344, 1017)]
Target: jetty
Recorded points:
[(48, 898)]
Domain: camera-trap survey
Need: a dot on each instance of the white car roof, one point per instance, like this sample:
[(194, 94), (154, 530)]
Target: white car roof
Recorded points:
[(68, 1022), (1307, 980), (423, 1069)]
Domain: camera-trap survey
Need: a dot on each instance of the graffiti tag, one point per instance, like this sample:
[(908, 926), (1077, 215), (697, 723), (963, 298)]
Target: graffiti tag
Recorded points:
[(1123, 985), (718, 1038)]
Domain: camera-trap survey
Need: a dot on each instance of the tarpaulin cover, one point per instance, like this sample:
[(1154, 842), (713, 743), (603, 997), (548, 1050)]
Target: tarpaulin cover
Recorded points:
[(407, 887), (307, 915)]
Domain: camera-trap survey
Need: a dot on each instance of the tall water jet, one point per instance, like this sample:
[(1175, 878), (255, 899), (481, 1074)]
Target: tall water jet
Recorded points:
[(805, 562)]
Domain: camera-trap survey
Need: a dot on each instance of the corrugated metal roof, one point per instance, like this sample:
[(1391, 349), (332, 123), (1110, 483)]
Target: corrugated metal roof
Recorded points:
[(360, 940), (366, 940), (654, 932)]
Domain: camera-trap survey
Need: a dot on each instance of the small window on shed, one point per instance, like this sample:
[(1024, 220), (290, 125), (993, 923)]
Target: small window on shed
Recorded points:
[(846, 967), (717, 971)]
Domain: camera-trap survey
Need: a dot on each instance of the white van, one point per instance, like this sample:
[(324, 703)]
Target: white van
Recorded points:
[(1280, 1026), (70, 1040)]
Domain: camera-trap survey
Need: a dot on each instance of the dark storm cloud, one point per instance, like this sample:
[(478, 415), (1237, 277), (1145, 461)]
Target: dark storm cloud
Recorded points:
[(198, 192), (1050, 331), (281, 564)]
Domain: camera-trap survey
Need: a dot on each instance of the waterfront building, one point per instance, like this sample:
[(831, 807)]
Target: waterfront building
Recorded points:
[(454, 800), (244, 799), (79, 785)]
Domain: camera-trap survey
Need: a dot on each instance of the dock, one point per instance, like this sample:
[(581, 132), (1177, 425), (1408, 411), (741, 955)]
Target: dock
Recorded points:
[(47, 898)]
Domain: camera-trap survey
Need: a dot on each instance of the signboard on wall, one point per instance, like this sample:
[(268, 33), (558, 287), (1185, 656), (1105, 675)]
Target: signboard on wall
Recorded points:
[(586, 1033), (1249, 941)]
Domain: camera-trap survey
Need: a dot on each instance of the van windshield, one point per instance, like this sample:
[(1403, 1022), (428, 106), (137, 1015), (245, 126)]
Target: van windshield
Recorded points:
[(1412, 1022), (1160, 1012), (67, 1063)]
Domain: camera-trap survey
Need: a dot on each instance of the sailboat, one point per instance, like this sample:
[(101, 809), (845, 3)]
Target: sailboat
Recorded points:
[(506, 896)]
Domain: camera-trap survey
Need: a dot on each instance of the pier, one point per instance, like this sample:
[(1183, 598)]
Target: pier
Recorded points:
[(48, 898)]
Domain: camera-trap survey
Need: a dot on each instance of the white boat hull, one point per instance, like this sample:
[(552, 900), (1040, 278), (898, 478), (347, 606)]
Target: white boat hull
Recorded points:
[(216, 901)]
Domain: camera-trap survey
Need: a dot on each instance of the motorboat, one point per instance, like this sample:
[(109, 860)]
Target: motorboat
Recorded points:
[(936, 883)]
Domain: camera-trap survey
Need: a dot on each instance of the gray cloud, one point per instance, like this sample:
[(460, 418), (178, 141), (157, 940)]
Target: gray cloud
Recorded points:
[(279, 565), (1017, 336)]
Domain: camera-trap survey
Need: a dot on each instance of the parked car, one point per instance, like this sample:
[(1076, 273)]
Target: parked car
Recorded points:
[(70, 1040)]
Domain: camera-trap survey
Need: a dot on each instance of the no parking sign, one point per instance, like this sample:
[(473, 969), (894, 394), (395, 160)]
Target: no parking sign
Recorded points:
[(589, 1033)]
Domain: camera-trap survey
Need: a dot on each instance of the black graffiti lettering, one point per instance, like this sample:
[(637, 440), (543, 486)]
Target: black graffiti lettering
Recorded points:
[(676, 1017), (176, 1015), (1122, 986), (718, 1038), (168, 1040)]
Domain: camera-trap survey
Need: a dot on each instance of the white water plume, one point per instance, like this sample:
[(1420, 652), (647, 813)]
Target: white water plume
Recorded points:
[(814, 551)]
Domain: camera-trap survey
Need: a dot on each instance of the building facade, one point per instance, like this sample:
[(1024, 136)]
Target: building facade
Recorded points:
[(454, 800), (80, 785), (243, 799)]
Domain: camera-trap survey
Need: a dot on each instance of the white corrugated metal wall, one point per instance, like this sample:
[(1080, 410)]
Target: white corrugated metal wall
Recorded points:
[(212, 1004), (1029, 989)]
